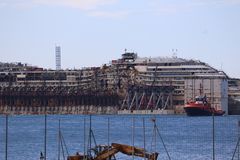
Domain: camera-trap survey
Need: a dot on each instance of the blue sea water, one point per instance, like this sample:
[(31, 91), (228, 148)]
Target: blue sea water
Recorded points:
[(184, 137)]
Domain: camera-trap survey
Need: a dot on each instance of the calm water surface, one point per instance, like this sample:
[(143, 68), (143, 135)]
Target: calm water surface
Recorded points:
[(184, 137)]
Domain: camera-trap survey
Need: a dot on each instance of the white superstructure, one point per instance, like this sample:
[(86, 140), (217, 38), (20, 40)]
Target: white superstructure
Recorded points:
[(189, 78)]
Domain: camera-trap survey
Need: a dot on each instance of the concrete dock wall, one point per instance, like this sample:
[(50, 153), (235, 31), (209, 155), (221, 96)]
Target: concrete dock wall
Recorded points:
[(146, 112), (59, 110)]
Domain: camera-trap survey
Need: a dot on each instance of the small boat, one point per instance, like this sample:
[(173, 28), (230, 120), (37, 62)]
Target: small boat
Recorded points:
[(201, 107)]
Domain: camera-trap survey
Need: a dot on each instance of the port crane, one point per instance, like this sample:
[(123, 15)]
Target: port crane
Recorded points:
[(108, 152)]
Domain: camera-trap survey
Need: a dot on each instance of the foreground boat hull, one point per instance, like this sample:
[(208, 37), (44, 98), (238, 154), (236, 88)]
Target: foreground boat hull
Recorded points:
[(198, 111)]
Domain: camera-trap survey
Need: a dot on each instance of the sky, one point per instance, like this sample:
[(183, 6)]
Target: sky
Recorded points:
[(94, 32)]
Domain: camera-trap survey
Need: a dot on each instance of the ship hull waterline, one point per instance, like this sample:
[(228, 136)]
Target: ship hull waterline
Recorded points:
[(198, 111)]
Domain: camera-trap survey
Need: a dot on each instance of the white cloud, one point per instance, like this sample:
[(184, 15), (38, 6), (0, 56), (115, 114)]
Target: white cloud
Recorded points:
[(94, 7), (214, 2), (90, 7), (168, 7), (11, 3), (107, 14), (80, 4)]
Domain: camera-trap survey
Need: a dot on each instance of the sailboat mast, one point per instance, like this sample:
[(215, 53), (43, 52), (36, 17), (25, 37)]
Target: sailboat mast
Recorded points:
[(108, 137), (84, 135), (6, 138), (90, 134), (59, 139), (155, 135), (133, 133), (45, 137), (213, 136), (144, 139)]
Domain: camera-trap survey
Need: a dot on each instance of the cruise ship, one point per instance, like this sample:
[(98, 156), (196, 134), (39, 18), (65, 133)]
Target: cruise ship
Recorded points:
[(138, 85)]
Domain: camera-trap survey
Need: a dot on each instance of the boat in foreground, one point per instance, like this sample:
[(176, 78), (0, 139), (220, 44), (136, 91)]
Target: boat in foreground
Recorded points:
[(201, 107)]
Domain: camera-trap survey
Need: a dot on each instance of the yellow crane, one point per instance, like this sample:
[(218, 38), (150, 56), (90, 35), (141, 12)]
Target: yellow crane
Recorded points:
[(109, 152)]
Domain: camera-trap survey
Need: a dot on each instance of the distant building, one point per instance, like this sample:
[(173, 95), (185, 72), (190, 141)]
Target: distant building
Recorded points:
[(58, 57)]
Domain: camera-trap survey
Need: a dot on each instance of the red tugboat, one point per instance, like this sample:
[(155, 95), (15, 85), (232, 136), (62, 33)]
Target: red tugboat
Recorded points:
[(201, 107)]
